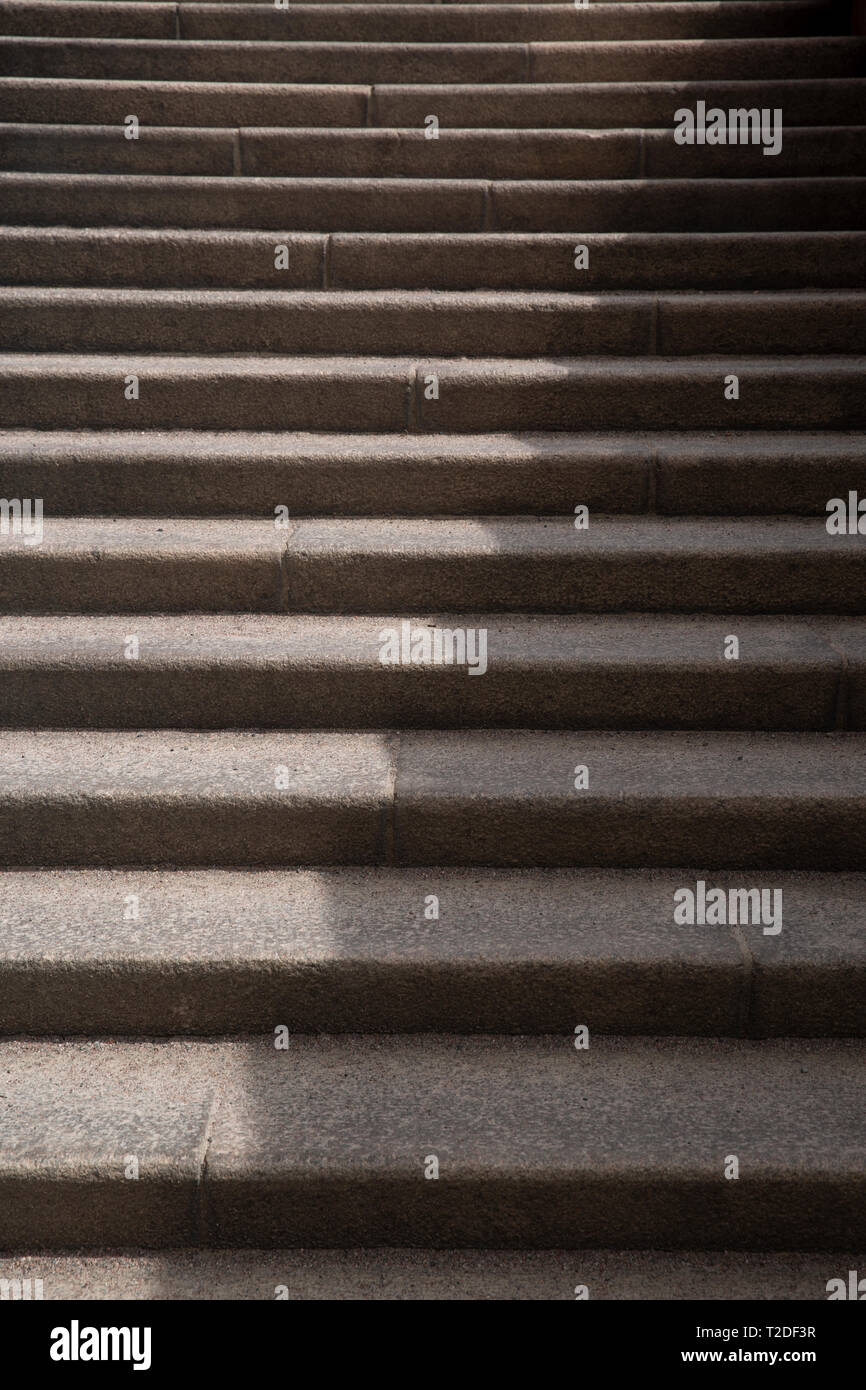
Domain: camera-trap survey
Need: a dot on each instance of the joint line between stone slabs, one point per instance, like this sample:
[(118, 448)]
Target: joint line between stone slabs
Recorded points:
[(413, 411), (487, 219), (202, 1214), (237, 154), (370, 114), (283, 595), (746, 1003), (326, 261), (843, 685), (395, 747), (654, 327), (652, 482)]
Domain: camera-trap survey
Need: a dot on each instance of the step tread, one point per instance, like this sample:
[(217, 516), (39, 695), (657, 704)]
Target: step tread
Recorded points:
[(636, 762), (85, 1102), (211, 641), (188, 472), (254, 104), (373, 1274), (223, 951), (202, 671), (436, 537), (627, 1138)]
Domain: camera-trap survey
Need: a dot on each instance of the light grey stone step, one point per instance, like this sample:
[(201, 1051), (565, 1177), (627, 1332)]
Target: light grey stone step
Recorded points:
[(218, 951), (804, 100), (436, 322), (371, 1274), (387, 394), (420, 23), (711, 59), (538, 1145), (435, 205), (202, 473), (131, 257), (602, 672), (478, 797), (333, 565)]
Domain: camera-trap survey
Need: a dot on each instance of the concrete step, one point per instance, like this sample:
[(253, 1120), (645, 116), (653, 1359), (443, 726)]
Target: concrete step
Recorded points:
[(334, 565), (435, 205), (666, 60), (88, 101), (537, 1145), (444, 323), (190, 259), (489, 154), (244, 797), (350, 950), (421, 23), (401, 4), (197, 473), (564, 104), (655, 564), (382, 394), (327, 672), (447, 1275)]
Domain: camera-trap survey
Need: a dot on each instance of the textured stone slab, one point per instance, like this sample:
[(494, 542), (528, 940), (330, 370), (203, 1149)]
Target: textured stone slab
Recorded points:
[(805, 101), (118, 565), (205, 798), (205, 473), (352, 950), (297, 671), (665, 564), (77, 1119), (369, 1275), (445, 323), (724, 800), (540, 1145), (46, 390)]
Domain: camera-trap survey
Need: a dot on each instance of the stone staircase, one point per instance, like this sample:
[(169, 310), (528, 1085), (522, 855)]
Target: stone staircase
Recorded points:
[(330, 972)]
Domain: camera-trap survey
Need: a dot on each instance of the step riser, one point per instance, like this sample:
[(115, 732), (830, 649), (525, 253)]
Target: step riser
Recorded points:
[(245, 260), (779, 1214), (413, 205), (433, 23), (515, 1212), (825, 152), (195, 1000), (126, 321), (829, 579), (59, 393), (393, 475), (278, 695), (667, 60), (804, 102)]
